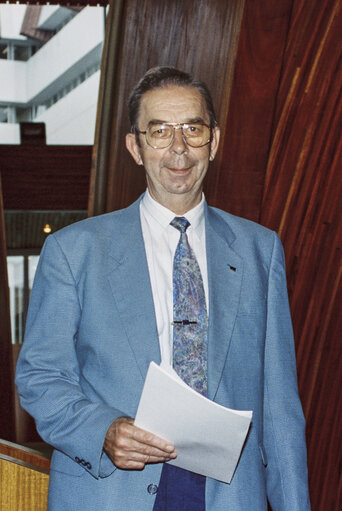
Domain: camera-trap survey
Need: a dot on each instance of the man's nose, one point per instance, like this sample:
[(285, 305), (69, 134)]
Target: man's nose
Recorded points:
[(178, 145)]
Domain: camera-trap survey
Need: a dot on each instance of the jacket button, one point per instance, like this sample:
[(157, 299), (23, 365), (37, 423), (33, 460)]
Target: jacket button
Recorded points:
[(77, 459), (88, 465), (152, 489)]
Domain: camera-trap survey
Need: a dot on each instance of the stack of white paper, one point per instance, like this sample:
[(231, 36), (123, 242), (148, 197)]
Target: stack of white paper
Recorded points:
[(208, 437)]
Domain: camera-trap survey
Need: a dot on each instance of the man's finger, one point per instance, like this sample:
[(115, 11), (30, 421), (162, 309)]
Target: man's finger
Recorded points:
[(145, 438), (126, 429)]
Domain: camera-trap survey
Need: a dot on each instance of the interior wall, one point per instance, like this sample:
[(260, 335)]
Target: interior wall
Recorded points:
[(248, 125), (45, 177)]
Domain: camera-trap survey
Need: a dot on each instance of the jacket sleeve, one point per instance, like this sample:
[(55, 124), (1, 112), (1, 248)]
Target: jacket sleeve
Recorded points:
[(284, 424), (47, 375)]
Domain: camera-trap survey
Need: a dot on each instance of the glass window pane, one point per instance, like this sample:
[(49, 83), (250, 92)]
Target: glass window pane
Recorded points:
[(32, 266), (15, 267), (21, 271), (52, 69)]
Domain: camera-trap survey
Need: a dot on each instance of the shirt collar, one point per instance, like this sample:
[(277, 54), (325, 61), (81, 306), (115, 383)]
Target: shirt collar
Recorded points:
[(164, 216)]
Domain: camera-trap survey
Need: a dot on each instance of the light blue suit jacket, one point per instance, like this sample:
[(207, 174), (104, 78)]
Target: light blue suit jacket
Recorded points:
[(91, 334)]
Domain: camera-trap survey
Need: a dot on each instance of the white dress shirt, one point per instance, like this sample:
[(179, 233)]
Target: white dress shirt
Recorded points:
[(161, 240)]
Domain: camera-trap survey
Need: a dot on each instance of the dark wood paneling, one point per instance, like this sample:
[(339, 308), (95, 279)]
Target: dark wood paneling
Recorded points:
[(45, 177), (248, 127), (105, 107), (302, 200), (7, 423), (169, 33)]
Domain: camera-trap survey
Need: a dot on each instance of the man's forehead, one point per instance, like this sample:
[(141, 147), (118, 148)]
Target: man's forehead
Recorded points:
[(170, 101)]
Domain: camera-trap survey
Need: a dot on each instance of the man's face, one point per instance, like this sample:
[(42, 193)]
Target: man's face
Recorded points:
[(174, 174)]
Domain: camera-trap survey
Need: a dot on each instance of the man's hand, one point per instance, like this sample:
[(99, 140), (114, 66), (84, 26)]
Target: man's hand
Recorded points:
[(131, 448)]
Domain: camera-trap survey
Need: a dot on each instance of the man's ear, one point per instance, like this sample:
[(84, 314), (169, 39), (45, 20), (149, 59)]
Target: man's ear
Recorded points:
[(133, 148), (214, 143)]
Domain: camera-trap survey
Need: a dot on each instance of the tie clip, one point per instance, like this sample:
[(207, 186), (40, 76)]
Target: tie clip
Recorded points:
[(184, 322)]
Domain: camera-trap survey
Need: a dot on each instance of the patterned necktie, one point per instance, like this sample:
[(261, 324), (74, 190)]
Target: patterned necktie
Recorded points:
[(190, 320)]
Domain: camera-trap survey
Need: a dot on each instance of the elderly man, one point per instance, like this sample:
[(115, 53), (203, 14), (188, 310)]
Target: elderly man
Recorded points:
[(166, 279)]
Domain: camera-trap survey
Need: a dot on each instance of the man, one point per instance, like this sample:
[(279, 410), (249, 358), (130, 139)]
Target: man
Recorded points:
[(102, 308)]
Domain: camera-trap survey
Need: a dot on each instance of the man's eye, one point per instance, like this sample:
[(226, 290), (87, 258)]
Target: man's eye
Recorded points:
[(194, 129), (160, 132)]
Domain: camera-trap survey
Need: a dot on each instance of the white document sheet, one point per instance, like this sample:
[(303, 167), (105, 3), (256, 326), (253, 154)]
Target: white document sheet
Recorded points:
[(207, 436)]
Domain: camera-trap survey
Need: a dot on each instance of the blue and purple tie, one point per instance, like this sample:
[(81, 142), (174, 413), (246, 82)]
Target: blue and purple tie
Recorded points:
[(190, 319)]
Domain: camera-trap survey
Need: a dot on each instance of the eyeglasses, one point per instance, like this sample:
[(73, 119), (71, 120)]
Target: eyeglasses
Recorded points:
[(162, 135)]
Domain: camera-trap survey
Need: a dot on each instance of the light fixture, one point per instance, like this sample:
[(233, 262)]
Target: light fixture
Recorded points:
[(47, 229)]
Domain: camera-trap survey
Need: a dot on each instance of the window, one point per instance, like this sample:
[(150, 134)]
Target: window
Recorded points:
[(21, 271), (51, 56)]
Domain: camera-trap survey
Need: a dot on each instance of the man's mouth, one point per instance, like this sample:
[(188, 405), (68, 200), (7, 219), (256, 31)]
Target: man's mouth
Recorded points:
[(179, 165), (180, 170)]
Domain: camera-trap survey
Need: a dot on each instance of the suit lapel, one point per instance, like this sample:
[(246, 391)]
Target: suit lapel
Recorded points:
[(131, 288), (225, 270)]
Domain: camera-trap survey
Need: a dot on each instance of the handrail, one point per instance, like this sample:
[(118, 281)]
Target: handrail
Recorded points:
[(25, 454)]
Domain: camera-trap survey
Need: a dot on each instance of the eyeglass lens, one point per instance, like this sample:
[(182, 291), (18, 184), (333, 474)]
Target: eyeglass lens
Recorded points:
[(161, 135)]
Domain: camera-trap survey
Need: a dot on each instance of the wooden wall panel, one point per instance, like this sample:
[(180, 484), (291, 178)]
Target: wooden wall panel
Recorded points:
[(45, 177), (302, 200), (22, 486), (248, 126)]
